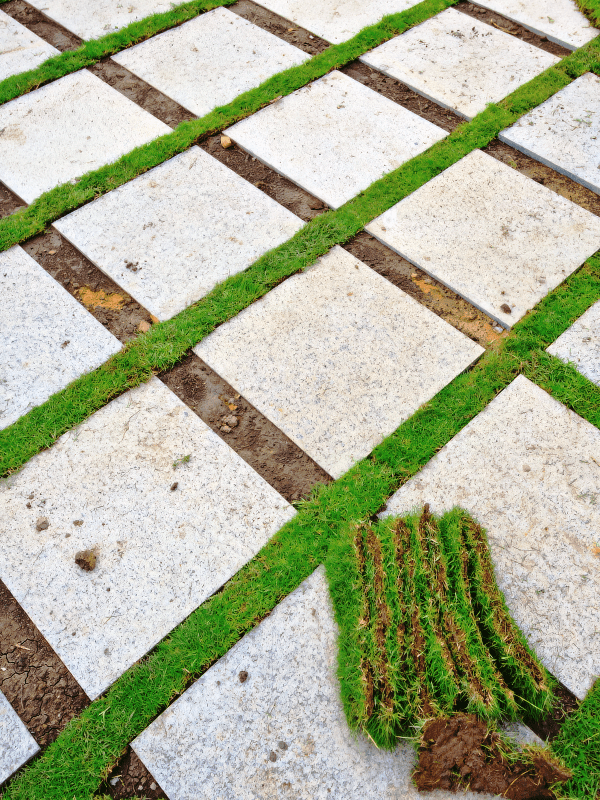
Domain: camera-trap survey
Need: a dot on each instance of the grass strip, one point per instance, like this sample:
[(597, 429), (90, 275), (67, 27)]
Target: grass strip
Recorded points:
[(94, 50), (167, 342), (64, 198), (591, 8), (578, 745)]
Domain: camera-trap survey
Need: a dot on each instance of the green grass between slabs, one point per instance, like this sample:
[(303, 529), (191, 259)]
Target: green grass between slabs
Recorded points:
[(578, 745), (93, 50), (591, 8), (166, 343)]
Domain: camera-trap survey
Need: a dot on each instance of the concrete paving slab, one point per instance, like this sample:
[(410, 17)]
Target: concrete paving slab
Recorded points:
[(560, 21), (280, 733), (46, 338), (92, 20), (337, 357), (526, 468), (580, 344), (20, 49), (459, 62), (335, 137), (169, 236), (167, 532), (67, 128), (491, 234), (17, 745), (210, 60), (336, 20), (564, 132)]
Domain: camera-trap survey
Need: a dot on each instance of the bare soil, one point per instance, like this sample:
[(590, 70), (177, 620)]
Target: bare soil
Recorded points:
[(34, 680), (548, 727), (41, 25), (253, 437), (132, 780), (458, 753), (9, 201), (506, 25), (283, 28)]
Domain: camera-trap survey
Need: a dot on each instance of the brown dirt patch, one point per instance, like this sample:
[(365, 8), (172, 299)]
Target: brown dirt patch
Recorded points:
[(459, 753), (254, 438), (130, 778), (280, 27), (506, 25), (548, 727), (34, 680), (433, 295), (103, 298), (9, 201), (41, 25)]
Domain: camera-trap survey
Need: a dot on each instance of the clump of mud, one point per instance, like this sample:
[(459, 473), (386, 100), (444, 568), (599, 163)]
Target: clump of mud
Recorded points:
[(461, 752)]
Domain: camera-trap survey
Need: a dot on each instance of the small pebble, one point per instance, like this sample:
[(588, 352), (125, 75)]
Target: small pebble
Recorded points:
[(42, 524), (243, 676), (272, 756), (153, 786), (86, 559), (282, 745), (174, 486)]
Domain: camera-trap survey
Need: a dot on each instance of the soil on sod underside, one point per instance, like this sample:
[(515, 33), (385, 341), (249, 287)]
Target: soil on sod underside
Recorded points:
[(460, 753)]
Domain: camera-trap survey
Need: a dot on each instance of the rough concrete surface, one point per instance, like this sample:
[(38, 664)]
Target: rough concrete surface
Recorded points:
[(20, 49), (67, 128), (280, 733), (167, 531), (527, 469), (580, 344), (564, 132), (210, 60), (494, 236), (170, 235), (335, 137), (337, 357), (459, 62), (47, 339), (559, 20)]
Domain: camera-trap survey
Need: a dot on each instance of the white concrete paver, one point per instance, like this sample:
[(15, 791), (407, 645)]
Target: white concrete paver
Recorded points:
[(166, 538), (580, 344), (97, 18), (281, 733), (46, 338), (337, 357), (559, 20), (170, 235), (20, 49), (65, 129), (336, 20), (210, 60), (335, 137), (491, 234), (564, 132), (17, 745), (526, 469), (459, 62)]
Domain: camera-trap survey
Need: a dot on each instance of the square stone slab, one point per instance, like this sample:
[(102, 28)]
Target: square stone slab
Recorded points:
[(47, 339), (560, 20), (167, 533), (17, 745), (210, 60), (65, 129), (459, 62), (491, 234), (336, 20), (580, 344), (337, 357), (280, 733), (335, 137), (169, 236), (527, 469), (20, 49), (564, 132), (90, 20)]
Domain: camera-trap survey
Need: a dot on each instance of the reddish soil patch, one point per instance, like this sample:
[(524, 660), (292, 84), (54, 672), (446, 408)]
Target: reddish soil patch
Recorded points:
[(506, 25), (131, 779), (34, 680), (41, 25), (280, 27), (253, 437), (459, 753)]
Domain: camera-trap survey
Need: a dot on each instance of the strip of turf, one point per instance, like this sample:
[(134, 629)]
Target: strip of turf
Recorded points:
[(591, 8), (95, 49), (166, 343), (578, 745)]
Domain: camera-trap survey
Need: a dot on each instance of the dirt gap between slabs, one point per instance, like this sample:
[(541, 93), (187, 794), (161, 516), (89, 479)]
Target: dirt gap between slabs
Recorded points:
[(44, 27), (131, 778), (280, 27)]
